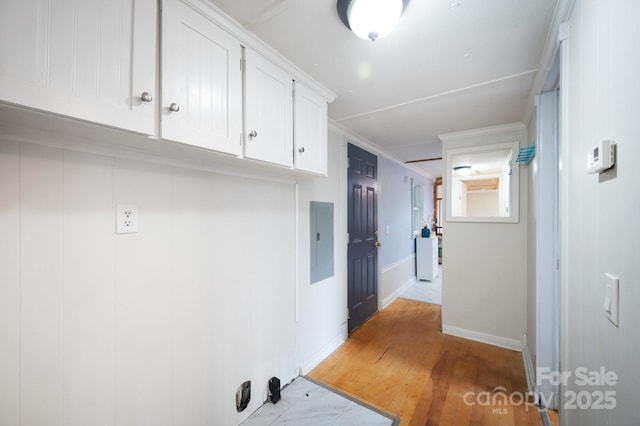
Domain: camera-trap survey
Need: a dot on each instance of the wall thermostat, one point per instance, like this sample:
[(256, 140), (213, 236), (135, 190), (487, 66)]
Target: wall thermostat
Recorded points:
[(601, 157)]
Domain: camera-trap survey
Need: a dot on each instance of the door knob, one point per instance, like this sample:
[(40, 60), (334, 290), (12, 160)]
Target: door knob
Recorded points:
[(146, 97), (253, 134), (174, 107), (378, 244), (301, 150)]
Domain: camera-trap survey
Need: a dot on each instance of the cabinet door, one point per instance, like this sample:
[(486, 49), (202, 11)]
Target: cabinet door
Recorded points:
[(310, 131), (201, 81), (269, 111), (86, 59)]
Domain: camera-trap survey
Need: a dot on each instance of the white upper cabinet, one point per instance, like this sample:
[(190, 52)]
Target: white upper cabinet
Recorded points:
[(268, 111), (201, 81), (310, 131), (92, 60)]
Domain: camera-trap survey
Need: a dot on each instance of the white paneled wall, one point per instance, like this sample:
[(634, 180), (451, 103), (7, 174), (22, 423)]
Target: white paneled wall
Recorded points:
[(9, 284), (600, 91), (322, 316), (158, 327), (41, 224)]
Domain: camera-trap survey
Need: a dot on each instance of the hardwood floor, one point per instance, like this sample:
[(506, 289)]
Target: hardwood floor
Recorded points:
[(401, 363)]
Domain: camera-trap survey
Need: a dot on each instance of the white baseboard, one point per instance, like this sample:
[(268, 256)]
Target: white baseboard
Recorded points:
[(528, 369), (393, 296), (322, 354), (490, 339)]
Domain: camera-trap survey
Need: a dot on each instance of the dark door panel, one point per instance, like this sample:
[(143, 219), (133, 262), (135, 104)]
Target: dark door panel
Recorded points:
[(363, 236)]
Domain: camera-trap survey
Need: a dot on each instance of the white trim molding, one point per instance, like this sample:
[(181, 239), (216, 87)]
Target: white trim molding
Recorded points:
[(528, 369), (502, 342)]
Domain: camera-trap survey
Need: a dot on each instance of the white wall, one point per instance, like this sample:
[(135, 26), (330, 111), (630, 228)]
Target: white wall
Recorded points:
[(156, 327), (601, 89), (485, 264), (483, 203), (322, 313), (165, 324)]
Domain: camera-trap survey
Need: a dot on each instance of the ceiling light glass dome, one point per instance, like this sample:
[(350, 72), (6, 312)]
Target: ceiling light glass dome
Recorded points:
[(371, 19)]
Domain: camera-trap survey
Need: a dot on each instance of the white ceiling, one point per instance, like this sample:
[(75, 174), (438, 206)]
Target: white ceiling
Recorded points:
[(448, 66)]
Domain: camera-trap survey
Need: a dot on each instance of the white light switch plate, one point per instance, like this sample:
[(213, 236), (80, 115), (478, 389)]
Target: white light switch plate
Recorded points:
[(611, 298)]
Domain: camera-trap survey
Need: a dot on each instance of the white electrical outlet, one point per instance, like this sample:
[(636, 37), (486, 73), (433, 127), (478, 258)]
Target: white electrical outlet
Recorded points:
[(126, 219)]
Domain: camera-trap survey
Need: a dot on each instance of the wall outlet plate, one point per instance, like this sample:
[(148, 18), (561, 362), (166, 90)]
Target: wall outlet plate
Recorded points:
[(126, 219)]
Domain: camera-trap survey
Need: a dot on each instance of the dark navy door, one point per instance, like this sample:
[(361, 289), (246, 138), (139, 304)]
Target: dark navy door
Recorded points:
[(363, 236)]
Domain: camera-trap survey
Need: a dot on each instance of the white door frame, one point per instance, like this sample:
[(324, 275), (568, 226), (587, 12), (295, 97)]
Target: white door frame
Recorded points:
[(548, 238)]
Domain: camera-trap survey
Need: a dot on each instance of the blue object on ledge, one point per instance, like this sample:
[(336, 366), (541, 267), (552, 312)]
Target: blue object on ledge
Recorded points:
[(426, 232), (526, 154)]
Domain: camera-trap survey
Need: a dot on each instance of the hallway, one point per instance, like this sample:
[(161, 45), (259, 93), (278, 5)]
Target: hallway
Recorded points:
[(401, 363)]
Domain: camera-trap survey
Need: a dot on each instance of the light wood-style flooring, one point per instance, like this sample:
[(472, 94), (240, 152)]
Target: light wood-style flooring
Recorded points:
[(401, 363)]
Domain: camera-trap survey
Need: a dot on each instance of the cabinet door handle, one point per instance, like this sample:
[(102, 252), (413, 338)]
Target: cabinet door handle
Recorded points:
[(146, 97), (301, 150), (174, 107), (253, 134)]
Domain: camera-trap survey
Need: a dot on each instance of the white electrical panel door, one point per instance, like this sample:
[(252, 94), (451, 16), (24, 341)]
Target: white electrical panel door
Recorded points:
[(268, 111), (310, 131), (201, 81), (91, 60)]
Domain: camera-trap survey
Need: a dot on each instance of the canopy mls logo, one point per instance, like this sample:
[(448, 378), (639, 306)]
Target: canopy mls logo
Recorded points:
[(499, 400), (595, 392)]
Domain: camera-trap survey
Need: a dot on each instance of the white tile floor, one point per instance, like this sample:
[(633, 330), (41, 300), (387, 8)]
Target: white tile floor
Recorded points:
[(426, 291), (306, 403)]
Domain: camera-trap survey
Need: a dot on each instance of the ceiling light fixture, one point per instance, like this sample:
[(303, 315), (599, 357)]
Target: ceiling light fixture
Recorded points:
[(371, 19), (463, 170)]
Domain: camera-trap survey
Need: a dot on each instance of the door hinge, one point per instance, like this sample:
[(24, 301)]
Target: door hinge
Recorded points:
[(348, 314)]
